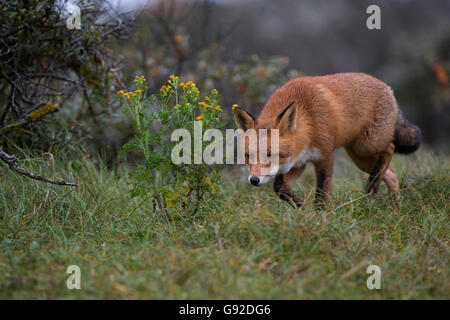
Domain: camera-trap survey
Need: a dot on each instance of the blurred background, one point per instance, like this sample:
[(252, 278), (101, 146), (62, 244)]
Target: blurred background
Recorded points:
[(246, 49)]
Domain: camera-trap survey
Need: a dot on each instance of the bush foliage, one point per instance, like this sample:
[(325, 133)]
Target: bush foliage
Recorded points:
[(154, 118)]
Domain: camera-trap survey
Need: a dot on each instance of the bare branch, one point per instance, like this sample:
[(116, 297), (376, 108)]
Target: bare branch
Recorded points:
[(36, 114), (11, 161)]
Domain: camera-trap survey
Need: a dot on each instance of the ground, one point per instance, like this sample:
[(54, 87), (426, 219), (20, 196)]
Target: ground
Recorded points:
[(246, 243)]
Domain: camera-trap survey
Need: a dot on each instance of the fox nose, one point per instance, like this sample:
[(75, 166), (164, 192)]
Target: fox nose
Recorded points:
[(254, 180)]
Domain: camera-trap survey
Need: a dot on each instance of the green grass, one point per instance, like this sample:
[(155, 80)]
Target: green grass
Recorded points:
[(246, 244)]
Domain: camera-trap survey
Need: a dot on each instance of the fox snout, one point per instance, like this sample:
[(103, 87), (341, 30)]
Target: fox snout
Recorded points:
[(261, 174), (254, 180), (257, 181)]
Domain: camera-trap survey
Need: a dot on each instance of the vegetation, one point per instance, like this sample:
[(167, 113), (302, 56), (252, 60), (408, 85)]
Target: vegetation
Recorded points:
[(46, 66), (139, 225), (246, 244), (161, 179)]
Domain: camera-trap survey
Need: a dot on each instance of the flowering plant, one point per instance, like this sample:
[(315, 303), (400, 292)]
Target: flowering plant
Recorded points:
[(173, 187)]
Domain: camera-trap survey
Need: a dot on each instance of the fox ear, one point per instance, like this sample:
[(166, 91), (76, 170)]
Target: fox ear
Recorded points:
[(287, 119), (243, 119)]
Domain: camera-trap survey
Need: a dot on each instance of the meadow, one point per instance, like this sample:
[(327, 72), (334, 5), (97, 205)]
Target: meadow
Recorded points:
[(244, 243)]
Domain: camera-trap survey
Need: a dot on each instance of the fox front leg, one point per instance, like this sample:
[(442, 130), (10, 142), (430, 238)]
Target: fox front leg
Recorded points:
[(284, 191), (324, 174)]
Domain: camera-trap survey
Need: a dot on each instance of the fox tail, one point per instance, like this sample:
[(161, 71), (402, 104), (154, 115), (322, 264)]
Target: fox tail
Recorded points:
[(407, 136)]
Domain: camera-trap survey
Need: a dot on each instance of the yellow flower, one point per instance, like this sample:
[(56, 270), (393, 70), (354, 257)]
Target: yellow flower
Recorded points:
[(234, 106), (166, 90), (200, 117), (173, 80), (171, 199), (212, 185), (203, 104)]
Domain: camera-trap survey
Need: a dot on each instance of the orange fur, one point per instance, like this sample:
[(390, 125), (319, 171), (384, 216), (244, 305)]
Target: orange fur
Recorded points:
[(351, 110)]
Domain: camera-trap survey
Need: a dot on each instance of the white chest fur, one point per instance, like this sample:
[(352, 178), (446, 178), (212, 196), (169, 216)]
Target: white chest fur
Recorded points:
[(306, 155)]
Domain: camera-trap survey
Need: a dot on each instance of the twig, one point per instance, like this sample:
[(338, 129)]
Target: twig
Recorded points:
[(11, 162), (36, 114)]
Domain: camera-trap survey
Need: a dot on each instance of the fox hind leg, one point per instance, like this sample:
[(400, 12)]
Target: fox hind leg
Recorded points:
[(382, 163), (390, 178), (378, 167)]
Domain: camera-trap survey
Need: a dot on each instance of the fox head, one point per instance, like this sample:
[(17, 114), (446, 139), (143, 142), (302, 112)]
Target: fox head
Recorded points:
[(266, 159)]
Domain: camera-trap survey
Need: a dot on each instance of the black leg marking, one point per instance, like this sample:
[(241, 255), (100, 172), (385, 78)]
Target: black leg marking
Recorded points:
[(278, 183), (373, 184), (285, 193), (320, 190)]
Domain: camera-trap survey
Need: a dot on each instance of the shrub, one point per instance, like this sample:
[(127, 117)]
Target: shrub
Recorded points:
[(172, 187), (43, 63)]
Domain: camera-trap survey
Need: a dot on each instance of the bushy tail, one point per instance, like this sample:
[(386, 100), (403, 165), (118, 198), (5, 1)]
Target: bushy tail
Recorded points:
[(407, 137)]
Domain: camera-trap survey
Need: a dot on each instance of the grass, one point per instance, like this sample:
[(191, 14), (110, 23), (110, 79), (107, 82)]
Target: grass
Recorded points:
[(246, 244)]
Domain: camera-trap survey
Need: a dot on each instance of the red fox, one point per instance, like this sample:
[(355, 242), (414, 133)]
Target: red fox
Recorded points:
[(316, 115)]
